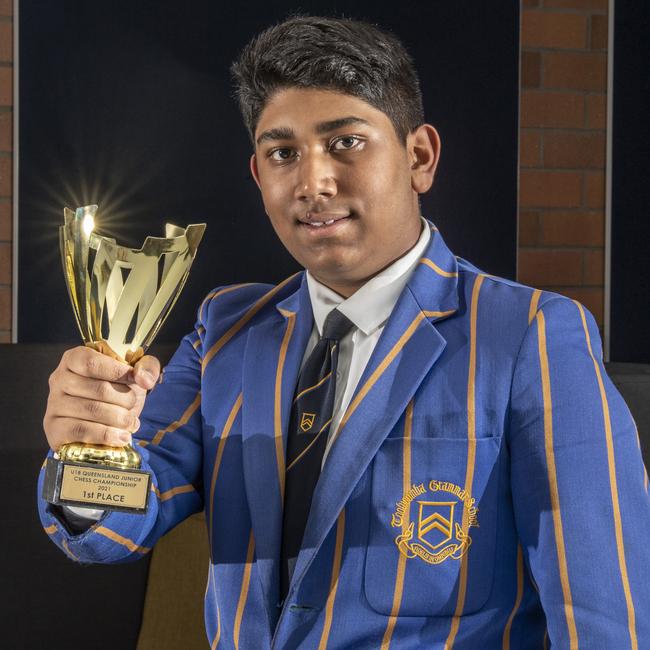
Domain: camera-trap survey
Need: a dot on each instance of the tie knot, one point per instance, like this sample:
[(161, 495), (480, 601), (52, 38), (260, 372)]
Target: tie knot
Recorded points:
[(336, 326)]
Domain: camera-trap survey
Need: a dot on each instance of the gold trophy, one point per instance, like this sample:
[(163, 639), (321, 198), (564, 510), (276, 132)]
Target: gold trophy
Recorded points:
[(120, 297)]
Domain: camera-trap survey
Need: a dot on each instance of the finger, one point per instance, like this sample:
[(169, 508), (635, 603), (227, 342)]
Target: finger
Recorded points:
[(99, 412), (146, 372), (63, 430), (140, 398), (75, 385), (89, 363)]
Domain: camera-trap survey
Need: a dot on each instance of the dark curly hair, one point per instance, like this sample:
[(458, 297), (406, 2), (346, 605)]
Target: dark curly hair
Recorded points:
[(349, 56)]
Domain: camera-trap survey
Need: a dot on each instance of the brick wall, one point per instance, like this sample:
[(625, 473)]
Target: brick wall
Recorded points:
[(6, 115), (562, 148)]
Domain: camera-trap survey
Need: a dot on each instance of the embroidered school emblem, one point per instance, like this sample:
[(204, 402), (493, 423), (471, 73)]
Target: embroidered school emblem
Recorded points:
[(441, 525), (307, 421), (435, 522)]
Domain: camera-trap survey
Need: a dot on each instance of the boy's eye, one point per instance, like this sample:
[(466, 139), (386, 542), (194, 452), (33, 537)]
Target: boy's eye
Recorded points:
[(281, 154), (346, 142)]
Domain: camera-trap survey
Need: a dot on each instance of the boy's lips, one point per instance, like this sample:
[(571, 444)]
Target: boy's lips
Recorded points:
[(322, 223), (319, 219)]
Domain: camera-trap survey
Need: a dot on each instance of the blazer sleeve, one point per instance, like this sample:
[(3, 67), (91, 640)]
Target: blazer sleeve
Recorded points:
[(170, 443), (579, 485)]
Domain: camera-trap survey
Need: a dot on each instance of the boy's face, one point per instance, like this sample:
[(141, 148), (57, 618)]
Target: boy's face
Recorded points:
[(324, 157)]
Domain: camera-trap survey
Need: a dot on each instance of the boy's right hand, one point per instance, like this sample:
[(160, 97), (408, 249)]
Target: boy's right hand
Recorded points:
[(96, 399)]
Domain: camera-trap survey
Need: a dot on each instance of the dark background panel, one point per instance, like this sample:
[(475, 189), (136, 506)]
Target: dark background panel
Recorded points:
[(49, 601), (129, 105), (630, 280)]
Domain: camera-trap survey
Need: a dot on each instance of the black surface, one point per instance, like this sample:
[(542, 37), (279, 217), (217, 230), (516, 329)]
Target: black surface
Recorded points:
[(630, 293), (47, 600), (128, 104)]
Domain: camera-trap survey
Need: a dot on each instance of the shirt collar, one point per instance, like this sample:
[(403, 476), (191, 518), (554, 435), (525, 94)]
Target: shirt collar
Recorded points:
[(371, 305)]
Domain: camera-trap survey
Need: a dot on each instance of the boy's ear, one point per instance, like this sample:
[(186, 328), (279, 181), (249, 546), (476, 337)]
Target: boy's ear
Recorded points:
[(423, 148), (254, 171)]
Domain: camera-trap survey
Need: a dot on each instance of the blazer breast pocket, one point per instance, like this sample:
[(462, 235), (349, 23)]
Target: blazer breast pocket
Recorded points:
[(425, 523)]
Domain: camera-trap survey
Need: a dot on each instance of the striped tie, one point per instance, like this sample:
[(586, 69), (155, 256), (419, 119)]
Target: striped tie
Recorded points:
[(311, 414)]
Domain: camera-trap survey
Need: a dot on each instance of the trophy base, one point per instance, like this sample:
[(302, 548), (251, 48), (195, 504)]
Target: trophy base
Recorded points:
[(89, 485)]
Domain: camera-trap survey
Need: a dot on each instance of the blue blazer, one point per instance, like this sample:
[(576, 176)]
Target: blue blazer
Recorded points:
[(485, 489)]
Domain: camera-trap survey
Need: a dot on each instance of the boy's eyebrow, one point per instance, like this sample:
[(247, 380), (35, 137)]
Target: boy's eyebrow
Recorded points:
[(332, 125), (279, 133), (285, 133)]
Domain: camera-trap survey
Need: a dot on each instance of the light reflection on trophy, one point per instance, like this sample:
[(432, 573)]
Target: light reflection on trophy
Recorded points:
[(120, 297)]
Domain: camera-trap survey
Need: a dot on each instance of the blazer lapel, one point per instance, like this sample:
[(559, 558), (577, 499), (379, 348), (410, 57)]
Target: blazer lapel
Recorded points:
[(407, 349), (274, 350)]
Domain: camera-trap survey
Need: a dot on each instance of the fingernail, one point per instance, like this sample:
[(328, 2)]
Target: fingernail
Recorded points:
[(147, 376), (125, 439)]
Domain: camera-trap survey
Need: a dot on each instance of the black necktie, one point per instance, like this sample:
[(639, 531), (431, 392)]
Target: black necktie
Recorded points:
[(311, 414)]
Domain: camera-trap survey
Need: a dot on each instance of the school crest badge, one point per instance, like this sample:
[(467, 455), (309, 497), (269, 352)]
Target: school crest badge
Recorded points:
[(435, 522), (442, 525), (307, 421)]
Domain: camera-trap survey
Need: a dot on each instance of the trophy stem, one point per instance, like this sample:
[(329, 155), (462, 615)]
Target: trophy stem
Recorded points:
[(102, 346), (119, 457)]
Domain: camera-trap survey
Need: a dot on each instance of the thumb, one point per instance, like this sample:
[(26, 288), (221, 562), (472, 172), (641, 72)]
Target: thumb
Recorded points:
[(146, 372)]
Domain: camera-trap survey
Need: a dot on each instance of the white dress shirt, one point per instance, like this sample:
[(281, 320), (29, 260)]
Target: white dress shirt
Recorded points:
[(368, 308)]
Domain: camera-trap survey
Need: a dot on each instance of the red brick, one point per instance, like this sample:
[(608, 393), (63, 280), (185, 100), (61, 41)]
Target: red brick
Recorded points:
[(5, 336), (596, 111), (571, 228), (543, 267), (549, 109), (574, 150), (6, 88), (595, 189), (530, 148), (531, 69), (599, 5), (5, 308), (6, 220), (5, 131), (575, 70), (549, 189), (599, 27), (6, 7), (554, 30), (591, 297), (594, 263), (528, 228), (6, 41), (5, 176), (5, 263)]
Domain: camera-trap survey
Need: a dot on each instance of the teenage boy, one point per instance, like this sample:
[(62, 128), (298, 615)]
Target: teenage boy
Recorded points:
[(392, 448)]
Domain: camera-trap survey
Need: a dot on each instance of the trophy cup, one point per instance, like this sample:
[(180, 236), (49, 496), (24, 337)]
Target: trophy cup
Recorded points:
[(120, 297)]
